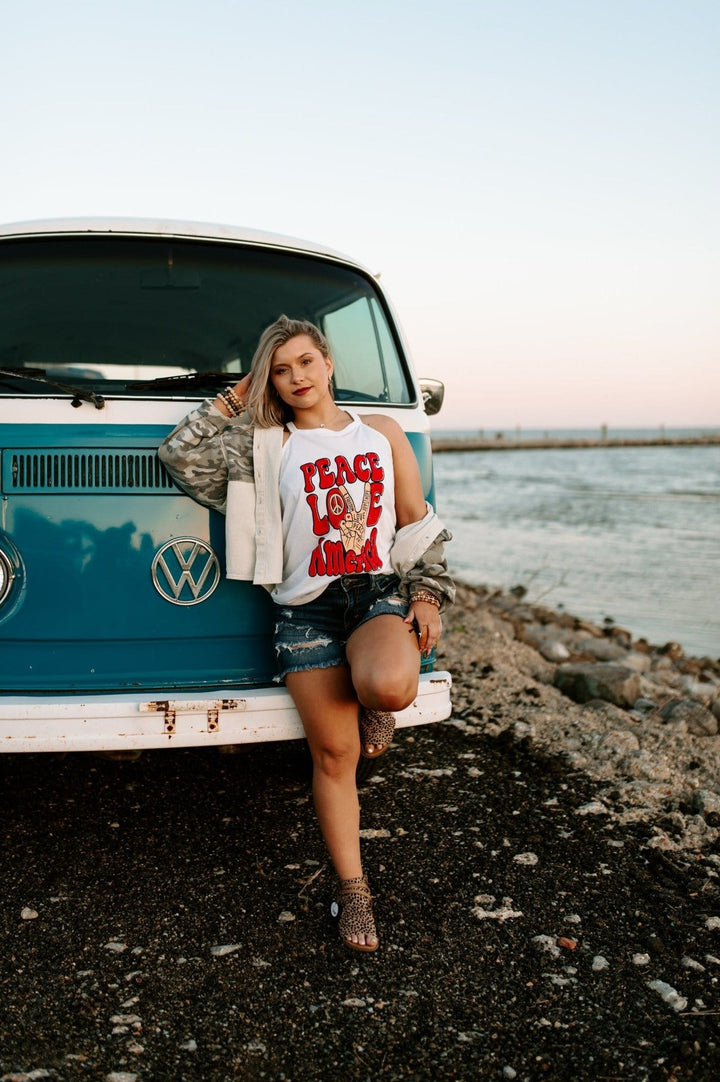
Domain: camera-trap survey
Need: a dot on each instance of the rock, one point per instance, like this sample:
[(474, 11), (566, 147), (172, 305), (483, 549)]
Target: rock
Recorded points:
[(555, 651), (594, 807), (225, 948), (672, 650), (638, 661), (504, 912), (566, 942), (669, 995), (526, 858), (547, 943), (644, 706), (697, 718), (599, 963), (28, 914), (604, 680), (707, 804), (602, 649), (662, 669), (621, 742), (126, 1020)]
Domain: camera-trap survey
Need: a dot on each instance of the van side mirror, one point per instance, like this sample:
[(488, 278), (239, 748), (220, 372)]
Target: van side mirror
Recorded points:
[(433, 392)]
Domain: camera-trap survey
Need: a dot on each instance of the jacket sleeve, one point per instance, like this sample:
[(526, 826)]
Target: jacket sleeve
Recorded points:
[(418, 559), (195, 457)]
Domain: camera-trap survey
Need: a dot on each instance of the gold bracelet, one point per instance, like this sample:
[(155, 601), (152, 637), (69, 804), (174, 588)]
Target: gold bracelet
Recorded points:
[(425, 595)]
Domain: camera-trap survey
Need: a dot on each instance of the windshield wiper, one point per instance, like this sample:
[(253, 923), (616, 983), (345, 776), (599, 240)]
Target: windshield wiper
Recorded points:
[(37, 375), (187, 379)]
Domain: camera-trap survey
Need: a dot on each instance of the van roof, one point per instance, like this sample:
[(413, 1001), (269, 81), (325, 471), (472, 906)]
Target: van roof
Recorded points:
[(166, 227)]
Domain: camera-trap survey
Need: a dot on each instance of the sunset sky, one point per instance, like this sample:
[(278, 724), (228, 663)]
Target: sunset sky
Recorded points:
[(537, 180)]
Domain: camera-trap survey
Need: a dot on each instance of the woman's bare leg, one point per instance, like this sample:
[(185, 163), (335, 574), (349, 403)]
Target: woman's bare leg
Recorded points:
[(328, 708), (384, 661)]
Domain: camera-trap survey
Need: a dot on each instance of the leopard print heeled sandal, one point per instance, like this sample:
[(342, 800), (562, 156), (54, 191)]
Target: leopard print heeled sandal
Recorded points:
[(377, 727), (354, 909)]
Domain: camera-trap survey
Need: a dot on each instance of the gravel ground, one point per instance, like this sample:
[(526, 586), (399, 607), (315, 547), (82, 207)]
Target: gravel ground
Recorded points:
[(168, 919)]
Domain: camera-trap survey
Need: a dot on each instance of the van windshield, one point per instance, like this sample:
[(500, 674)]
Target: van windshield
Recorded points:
[(159, 318)]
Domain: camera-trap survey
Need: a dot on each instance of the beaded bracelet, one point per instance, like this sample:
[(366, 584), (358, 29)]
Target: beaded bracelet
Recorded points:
[(234, 406), (425, 595), (239, 406)]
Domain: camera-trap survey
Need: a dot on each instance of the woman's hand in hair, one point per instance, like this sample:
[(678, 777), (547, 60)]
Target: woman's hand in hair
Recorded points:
[(240, 392)]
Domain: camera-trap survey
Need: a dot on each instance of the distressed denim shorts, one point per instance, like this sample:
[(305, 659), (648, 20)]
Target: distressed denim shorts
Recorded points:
[(313, 636)]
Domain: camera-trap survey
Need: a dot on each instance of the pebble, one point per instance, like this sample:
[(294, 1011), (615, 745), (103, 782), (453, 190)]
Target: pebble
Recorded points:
[(286, 917), (28, 913), (641, 959), (503, 912), (225, 948), (529, 859), (594, 807), (567, 943), (599, 963), (547, 943), (712, 924), (27, 1076), (669, 995)]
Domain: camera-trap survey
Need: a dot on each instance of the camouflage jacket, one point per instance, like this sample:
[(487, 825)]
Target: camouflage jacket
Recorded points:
[(234, 467)]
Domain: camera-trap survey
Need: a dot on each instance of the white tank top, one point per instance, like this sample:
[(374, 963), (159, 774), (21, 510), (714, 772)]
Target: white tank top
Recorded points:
[(337, 491)]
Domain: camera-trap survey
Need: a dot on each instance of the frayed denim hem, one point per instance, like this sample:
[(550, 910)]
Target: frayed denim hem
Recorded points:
[(307, 668)]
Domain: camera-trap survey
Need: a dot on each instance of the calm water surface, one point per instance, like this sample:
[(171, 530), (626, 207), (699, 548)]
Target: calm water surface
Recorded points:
[(632, 534)]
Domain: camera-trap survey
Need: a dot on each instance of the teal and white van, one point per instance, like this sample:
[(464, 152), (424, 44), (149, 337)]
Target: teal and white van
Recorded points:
[(118, 629)]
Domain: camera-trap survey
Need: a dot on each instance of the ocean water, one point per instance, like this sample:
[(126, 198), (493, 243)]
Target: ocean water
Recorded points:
[(627, 534)]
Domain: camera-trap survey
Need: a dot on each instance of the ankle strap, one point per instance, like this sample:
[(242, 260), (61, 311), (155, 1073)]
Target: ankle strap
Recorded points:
[(358, 885)]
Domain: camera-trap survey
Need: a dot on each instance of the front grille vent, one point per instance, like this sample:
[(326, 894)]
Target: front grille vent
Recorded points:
[(81, 471)]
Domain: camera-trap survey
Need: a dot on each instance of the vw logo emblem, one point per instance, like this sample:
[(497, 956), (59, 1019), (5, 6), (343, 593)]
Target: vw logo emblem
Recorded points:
[(185, 571)]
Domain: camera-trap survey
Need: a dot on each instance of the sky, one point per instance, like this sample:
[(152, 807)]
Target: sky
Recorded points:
[(537, 181)]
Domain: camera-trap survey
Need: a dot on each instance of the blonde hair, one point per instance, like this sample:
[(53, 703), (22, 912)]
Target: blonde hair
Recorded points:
[(264, 404)]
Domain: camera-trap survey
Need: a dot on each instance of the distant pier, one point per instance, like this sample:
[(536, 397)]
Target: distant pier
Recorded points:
[(554, 443)]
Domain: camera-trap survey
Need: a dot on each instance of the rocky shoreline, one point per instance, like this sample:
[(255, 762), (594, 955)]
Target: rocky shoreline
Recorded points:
[(642, 719)]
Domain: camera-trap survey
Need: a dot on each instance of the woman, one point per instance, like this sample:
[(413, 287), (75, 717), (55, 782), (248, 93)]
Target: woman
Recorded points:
[(326, 510)]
